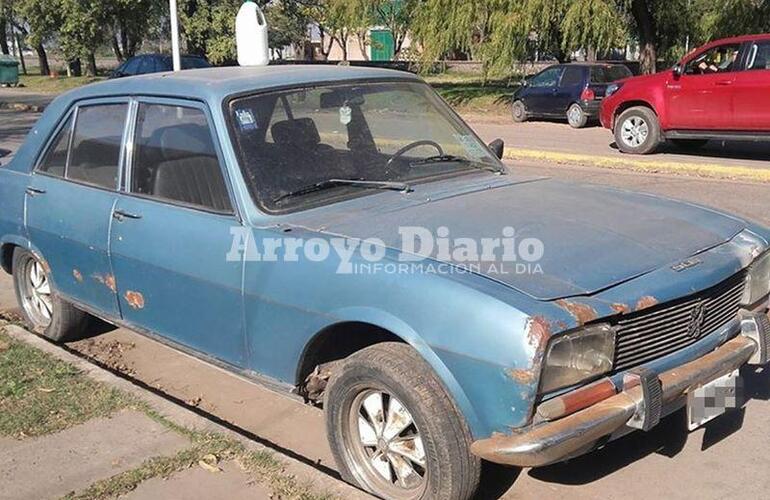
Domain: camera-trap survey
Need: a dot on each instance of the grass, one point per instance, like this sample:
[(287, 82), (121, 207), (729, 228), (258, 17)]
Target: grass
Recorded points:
[(48, 84), (41, 395), (469, 93)]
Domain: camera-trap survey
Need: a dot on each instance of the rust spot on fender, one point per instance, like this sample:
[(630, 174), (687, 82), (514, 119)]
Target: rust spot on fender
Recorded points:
[(621, 308), (77, 275), (135, 299), (524, 377), (107, 280), (646, 302), (581, 312), (538, 332)]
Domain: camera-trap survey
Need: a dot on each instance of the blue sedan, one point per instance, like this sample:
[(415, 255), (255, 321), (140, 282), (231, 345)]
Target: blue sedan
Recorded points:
[(341, 235)]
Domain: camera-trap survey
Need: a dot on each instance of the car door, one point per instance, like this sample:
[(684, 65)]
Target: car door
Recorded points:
[(541, 91), (171, 233), (70, 199), (703, 97), (571, 85), (752, 99)]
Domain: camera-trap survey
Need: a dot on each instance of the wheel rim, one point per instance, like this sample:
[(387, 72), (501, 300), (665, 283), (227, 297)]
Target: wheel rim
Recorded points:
[(574, 115), (36, 293), (518, 110), (634, 131), (386, 444)]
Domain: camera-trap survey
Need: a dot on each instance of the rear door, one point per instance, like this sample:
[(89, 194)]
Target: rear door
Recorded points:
[(571, 85), (70, 200), (171, 233), (703, 98), (541, 91), (752, 90)]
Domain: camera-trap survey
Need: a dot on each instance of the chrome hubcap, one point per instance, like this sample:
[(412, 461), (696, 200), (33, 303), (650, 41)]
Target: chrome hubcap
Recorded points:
[(634, 131), (389, 440), (574, 115), (36, 294)]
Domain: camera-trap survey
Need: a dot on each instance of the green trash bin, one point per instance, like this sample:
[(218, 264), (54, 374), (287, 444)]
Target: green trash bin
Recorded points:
[(9, 70)]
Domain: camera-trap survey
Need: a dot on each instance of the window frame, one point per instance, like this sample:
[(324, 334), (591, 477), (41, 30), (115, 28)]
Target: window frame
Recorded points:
[(130, 148), (72, 112)]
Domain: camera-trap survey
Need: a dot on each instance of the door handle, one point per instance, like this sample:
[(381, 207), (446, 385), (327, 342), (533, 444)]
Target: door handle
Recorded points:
[(121, 215), (32, 191)]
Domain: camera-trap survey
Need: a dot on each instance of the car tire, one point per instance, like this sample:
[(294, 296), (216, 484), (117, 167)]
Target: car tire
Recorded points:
[(576, 117), (43, 310), (637, 131), (689, 143), (392, 377), (519, 111)]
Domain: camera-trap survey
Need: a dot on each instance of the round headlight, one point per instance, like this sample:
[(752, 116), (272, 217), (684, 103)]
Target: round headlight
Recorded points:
[(578, 357)]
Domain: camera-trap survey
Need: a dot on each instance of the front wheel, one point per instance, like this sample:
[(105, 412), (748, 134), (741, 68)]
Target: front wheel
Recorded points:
[(519, 112), (576, 117), (637, 131), (394, 431)]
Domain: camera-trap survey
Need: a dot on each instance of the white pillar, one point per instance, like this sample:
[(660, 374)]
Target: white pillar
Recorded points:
[(175, 36)]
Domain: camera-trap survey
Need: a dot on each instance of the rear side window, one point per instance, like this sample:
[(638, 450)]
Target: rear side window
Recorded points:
[(759, 57), (55, 160), (96, 143), (573, 76), (609, 74), (175, 158)]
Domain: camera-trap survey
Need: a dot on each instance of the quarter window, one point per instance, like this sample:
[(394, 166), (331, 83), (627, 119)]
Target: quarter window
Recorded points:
[(95, 155), (55, 160), (175, 158)]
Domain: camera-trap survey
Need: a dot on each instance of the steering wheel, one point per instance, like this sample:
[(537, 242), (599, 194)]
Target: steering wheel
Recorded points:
[(416, 144)]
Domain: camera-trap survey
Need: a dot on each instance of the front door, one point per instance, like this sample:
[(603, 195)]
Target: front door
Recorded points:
[(703, 97), (70, 201), (541, 91), (172, 233), (752, 90)]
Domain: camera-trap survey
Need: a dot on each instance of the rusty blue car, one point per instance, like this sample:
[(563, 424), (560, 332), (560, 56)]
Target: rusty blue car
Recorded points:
[(341, 235)]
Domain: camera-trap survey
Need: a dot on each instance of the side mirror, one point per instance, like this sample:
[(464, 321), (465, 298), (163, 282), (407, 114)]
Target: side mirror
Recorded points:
[(498, 148), (678, 70)]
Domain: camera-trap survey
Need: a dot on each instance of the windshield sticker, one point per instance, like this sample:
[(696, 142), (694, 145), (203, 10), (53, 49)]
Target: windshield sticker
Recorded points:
[(246, 119), (346, 115), (471, 146)]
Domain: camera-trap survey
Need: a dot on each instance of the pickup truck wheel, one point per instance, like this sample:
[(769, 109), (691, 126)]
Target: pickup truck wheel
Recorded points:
[(519, 112), (44, 311), (393, 429), (637, 131), (576, 117)]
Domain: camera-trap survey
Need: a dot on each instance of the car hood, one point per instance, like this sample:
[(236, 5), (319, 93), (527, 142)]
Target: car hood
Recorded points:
[(593, 237)]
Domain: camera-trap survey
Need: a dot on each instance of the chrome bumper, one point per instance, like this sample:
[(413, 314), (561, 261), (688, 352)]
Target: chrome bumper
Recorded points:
[(569, 436)]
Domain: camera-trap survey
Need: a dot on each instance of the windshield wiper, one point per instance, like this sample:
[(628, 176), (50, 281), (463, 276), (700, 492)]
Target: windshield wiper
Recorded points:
[(359, 183), (457, 159)]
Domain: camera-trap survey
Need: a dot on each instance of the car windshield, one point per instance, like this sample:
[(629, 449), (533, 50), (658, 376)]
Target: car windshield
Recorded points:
[(609, 74), (302, 147)]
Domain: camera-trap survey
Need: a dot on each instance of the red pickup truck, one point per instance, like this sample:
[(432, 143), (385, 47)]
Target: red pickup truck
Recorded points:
[(719, 91)]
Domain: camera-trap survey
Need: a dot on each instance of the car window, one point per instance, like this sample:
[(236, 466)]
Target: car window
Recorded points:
[(96, 144), (175, 158), (132, 66), (194, 62), (55, 160), (721, 59), (609, 74), (147, 65), (573, 75), (548, 78), (759, 57)]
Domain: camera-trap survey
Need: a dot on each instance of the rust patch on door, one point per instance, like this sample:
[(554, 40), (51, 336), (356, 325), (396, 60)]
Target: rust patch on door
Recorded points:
[(77, 275), (134, 299), (646, 302), (581, 312), (107, 280)]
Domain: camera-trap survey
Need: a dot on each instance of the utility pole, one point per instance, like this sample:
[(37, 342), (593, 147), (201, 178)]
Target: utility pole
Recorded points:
[(175, 35)]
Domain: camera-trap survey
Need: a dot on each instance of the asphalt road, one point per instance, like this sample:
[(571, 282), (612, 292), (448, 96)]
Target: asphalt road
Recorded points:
[(727, 459)]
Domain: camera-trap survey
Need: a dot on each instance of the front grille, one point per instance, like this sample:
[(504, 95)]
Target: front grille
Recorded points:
[(667, 328)]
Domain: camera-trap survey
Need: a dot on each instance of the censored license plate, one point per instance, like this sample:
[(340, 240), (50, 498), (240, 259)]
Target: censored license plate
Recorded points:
[(713, 399)]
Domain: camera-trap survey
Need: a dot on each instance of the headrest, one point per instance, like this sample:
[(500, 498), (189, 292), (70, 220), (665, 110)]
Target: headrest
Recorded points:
[(185, 141), (301, 132)]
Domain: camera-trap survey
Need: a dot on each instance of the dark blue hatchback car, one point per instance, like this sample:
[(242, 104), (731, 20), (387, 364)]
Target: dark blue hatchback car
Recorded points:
[(571, 90)]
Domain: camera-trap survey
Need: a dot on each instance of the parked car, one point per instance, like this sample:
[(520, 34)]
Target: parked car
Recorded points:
[(716, 92), (156, 63), (574, 91), (312, 228)]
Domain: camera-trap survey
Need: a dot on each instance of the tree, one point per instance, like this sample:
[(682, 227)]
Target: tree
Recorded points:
[(131, 21), (37, 21), (395, 15), (82, 30)]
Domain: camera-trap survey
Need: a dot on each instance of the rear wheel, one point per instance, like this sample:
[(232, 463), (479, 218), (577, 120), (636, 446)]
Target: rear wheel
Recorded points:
[(519, 112), (576, 117), (637, 131), (44, 311), (393, 429)]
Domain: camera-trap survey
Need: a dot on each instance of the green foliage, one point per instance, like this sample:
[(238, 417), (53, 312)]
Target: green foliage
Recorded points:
[(597, 24), (81, 28)]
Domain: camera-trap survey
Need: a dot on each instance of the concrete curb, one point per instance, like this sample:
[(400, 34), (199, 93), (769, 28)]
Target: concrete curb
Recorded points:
[(184, 417)]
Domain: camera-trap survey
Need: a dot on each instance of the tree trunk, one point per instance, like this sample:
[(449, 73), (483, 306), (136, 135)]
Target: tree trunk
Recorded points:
[(4, 37), (42, 58), (75, 67), (21, 53), (91, 68), (116, 49), (361, 37), (591, 54), (646, 27)]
